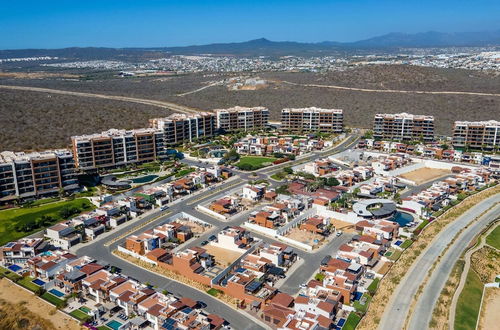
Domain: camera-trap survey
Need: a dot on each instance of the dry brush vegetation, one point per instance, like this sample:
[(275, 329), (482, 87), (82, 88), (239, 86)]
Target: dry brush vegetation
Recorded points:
[(389, 283)]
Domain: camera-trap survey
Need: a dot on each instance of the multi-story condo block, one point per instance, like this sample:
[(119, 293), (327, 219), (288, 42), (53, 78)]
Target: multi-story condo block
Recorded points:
[(403, 127), (477, 134), (180, 128), (241, 118), (312, 120), (27, 175), (118, 148)]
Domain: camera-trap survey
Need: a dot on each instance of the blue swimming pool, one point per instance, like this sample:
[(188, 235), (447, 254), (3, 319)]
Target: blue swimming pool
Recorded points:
[(144, 179), (403, 218), (115, 325), (38, 281), (15, 268), (358, 295), (56, 293)]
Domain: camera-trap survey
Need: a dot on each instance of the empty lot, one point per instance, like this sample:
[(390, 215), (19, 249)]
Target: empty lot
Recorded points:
[(424, 174)]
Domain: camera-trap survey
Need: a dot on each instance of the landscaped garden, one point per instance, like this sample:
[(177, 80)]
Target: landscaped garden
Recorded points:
[(251, 163), (20, 222)]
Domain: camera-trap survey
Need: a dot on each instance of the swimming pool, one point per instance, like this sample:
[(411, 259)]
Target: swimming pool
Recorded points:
[(144, 179), (85, 309), (56, 293), (38, 281), (115, 325), (403, 218), (14, 268)]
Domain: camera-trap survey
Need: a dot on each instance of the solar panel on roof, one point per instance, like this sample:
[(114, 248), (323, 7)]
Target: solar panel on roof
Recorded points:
[(187, 310), (169, 324), (254, 285)]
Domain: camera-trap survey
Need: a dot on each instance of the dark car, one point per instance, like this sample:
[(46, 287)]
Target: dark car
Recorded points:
[(212, 238), (201, 304), (204, 243)]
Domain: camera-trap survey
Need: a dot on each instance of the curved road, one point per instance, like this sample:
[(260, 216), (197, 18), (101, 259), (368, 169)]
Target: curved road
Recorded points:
[(369, 90), (160, 104), (396, 312)]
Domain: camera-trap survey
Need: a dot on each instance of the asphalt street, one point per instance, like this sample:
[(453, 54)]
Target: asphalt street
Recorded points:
[(99, 251), (396, 312)]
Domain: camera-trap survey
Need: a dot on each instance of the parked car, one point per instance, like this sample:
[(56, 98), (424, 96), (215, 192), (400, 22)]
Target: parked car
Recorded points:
[(212, 238), (204, 243), (339, 233)]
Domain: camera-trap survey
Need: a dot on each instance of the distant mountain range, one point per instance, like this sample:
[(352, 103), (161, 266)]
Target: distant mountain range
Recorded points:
[(265, 47)]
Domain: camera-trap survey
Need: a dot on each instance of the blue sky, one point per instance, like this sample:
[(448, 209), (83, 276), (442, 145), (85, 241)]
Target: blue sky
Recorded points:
[(149, 23)]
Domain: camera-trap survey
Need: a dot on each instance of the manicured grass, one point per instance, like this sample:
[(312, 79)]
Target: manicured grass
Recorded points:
[(373, 286), (406, 244), (26, 282), (79, 315), (469, 302), (12, 217), (44, 201), (103, 327), (493, 239), (351, 322), (53, 299), (184, 172), (9, 274), (395, 254), (250, 163), (420, 227), (362, 308)]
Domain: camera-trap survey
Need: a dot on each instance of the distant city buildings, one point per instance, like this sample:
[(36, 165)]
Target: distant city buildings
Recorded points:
[(403, 127), (484, 135), (25, 175), (241, 118), (312, 120), (180, 128), (118, 148)]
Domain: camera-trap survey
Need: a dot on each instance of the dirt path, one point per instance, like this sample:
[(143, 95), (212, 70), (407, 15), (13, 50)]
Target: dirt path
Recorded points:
[(161, 104), (369, 90)]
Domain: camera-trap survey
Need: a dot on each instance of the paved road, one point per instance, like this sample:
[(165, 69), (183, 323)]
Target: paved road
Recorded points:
[(425, 305), (97, 250), (396, 312), (160, 104)]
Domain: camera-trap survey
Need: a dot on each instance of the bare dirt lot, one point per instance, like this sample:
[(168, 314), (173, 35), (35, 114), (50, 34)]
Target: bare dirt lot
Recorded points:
[(490, 316), (424, 174), (343, 226), (15, 295), (222, 256), (196, 228), (305, 237)]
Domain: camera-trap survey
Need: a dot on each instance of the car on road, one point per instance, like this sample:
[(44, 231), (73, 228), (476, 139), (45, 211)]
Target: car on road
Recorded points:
[(339, 233), (212, 238), (204, 243), (164, 208), (201, 304), (303, 285)]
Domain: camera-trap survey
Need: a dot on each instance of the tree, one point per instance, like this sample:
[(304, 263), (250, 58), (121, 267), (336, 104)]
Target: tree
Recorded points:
[(331, 181), (288, 170), (397, 198)]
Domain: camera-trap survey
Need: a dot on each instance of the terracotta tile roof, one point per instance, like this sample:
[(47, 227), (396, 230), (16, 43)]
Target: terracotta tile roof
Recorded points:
[(282, 299)]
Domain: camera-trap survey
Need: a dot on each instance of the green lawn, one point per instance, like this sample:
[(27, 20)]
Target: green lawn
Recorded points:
[(351, 322), (103, 327), (45, 201), (9, 274), (373, 286), (12, 217), (394, 254), (469, 302), (251, 163), (184, 172), (319, 276), (79, 315), (53, 299), (406, 244), (213, 292), (26, 282), (493, 239), (360, 307)]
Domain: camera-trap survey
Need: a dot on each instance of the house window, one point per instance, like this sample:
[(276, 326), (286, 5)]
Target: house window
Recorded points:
[(276, 321)]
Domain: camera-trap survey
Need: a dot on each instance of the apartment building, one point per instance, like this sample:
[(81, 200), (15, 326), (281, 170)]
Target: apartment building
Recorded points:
[(28, 175), (296, 120), (241, 118), (118, 148), (179, 128), (483, 135), (403, 127)]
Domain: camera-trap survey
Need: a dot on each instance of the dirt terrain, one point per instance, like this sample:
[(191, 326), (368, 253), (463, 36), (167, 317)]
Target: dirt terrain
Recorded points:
[(424, 174), (27, 126)]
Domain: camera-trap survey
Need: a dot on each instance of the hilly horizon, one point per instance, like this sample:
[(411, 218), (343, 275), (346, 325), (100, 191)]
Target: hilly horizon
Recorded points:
[(266, 47)]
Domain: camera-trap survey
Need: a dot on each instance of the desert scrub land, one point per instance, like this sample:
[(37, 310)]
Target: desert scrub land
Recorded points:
[(20, 309), (393, 277)]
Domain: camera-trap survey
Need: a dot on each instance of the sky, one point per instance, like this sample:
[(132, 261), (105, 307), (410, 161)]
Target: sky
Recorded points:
[(154, 23)]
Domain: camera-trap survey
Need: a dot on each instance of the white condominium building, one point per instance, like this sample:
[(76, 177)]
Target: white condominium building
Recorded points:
[(241, 118), (296, 120)]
